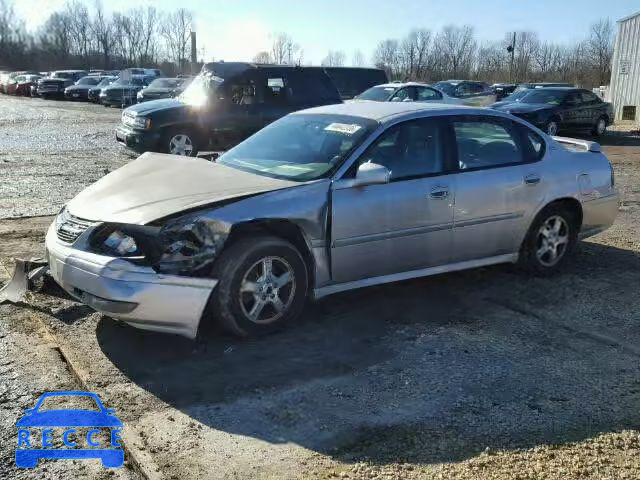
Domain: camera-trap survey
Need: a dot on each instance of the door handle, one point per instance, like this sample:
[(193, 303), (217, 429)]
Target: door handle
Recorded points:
[(439, 193), (532, 179)]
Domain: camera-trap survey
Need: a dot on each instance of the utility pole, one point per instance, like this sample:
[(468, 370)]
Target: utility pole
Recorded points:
[(512, 50), (194, 53)]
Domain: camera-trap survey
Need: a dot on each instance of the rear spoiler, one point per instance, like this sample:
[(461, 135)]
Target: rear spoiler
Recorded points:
[(575, 142)]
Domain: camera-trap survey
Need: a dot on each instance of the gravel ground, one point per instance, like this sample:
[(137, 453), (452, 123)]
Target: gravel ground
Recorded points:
[(484, 374)]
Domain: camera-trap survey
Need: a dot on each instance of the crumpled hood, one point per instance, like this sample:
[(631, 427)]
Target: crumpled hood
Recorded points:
[(157, 185), (519, 107)]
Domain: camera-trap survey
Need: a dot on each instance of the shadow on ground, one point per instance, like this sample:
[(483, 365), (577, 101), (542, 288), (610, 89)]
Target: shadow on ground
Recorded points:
[(429, 370)]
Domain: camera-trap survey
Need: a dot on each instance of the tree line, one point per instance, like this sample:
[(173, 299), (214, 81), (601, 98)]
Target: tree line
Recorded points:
[(79, 37), (455, 53)]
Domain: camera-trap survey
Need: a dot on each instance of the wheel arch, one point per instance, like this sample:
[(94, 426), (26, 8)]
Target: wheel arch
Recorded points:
[(281, 228), (570, 203)]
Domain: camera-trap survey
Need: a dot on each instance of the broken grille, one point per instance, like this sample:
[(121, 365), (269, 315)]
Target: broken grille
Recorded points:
[(71, 228)]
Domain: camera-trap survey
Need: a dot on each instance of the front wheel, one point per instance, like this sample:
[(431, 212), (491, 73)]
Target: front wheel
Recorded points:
[(181, 141), (262, 286), (550, 240)]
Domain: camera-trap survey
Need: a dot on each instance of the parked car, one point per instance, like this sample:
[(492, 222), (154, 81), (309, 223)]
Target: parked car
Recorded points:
[(352, 81), (503, 90), (24, 84), (476, 94), (223, 105), (93, 95), (8, 79), (524, 88), (406, 92), (80, 89), (162, 88), (59, 80), (123, 91), (322, 201), (556, 109)]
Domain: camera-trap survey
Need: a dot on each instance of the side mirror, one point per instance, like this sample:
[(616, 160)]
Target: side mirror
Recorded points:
[(371, 174)]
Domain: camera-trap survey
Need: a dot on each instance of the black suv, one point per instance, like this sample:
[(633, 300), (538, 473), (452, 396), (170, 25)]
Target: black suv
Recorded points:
[(225, 103)]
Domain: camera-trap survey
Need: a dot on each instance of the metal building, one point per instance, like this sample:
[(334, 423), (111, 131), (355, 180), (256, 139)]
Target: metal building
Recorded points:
[(625, 72)]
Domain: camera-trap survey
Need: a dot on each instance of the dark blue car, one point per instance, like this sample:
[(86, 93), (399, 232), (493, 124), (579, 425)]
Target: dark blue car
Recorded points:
[(68, 418)]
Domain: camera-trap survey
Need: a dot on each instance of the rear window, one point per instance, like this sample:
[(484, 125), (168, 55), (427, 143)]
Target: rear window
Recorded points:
[(313, 88)]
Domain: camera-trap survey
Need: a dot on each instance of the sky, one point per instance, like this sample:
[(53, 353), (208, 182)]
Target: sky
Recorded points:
[(236, 30)]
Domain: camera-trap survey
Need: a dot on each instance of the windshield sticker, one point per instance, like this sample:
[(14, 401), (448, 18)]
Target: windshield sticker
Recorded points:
[(345, 128)]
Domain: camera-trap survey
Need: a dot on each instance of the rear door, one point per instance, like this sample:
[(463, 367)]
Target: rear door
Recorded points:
[(402, 225), (572, 111), (593, 107), (495, 184)]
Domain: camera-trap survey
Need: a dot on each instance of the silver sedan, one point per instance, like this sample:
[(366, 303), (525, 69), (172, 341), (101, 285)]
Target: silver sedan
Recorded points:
[(321, 201)]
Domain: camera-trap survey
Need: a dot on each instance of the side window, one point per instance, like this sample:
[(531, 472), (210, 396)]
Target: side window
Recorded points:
[(589, 97), (275, 92), (486, 143), (476, 88), (411, 149), (574, 99), (533, 145), (402, 95), (427, 94)]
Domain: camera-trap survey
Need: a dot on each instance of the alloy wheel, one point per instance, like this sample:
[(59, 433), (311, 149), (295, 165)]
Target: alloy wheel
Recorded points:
[(267, 290), (552, 241), (181, 144), (601, 126), (552, 128)]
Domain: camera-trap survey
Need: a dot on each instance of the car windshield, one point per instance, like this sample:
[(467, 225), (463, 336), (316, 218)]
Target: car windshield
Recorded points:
[(377, 94), (200, 89), (128, 81), (446, 87), (88, 81), (300, 147), (106, 81), (65, 402), (61, 75), (165, 83), (543, 95), (517, 95), (20, 78)]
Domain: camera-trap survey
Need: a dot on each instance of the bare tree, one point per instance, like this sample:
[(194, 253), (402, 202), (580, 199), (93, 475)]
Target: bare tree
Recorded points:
[(335, 58), (102, 30), (262, 57), (79, 29), (386, 56), (358, 59), (600, 49), (285, 51), (176, 31), (457, 47), (414, 54)]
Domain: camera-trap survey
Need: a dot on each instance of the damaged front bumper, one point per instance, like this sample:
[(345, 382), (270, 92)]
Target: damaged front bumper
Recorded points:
[(135, 294)]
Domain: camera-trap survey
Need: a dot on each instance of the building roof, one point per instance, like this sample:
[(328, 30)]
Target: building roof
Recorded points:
[(629, 17)]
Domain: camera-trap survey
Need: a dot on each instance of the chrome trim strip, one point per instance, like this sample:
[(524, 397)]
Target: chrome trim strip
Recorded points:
[(425, 272), (374, 237), (490, 219)]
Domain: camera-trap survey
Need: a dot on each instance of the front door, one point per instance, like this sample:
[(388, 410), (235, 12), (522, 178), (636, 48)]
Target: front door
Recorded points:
[(400, 226), (496, 181)]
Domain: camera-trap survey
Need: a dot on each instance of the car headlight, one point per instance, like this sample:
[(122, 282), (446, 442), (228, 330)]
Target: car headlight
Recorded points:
[(136, 121), (121, 243), (62, 217), (140, 94)]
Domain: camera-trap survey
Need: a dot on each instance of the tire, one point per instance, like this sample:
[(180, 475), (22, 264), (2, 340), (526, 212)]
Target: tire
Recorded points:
[(600, 127), (552, 127), (181, 141), (242, 264), (537, 252)]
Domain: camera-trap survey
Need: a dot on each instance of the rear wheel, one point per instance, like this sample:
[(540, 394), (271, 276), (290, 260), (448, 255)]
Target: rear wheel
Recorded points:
[(550, 240), (552, 127), (600, 128), (262, 286)]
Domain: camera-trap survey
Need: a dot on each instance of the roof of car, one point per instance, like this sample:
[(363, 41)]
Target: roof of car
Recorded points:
[(403, 84), (385, 110)]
